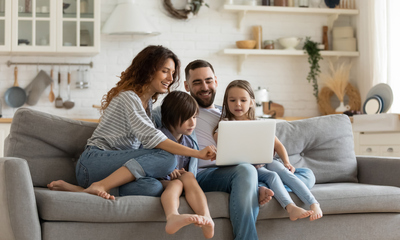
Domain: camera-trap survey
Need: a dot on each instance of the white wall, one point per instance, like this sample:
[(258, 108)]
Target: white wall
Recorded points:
[(202, 37)]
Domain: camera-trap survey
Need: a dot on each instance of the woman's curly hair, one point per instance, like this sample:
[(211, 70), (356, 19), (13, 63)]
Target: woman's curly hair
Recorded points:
[(138, 76)]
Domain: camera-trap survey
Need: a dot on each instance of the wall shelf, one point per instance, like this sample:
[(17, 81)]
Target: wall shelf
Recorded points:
[(332, 13), (244, 53)]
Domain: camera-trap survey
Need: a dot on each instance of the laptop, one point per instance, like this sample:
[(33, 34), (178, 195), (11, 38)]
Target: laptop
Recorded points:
[(245, 142)]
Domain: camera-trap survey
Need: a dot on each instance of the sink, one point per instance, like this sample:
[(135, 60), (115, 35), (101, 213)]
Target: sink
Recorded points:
[(386, 122)]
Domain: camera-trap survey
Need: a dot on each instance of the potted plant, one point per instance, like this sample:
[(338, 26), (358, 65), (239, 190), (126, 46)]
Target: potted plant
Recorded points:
[(311, 48)]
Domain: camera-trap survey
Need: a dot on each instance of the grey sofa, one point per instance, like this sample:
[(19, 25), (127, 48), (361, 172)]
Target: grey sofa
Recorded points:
[(360, 196)]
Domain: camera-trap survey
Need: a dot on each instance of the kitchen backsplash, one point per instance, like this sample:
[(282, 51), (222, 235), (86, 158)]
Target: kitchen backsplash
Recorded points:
[(203, 37)]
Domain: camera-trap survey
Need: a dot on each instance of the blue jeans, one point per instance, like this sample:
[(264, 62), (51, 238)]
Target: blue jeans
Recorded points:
[(242, 184), (275, 175), (145, 164)]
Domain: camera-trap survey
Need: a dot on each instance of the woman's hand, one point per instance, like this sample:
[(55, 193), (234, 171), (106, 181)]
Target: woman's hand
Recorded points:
[(208, 153), (290, 167), (177, 173)]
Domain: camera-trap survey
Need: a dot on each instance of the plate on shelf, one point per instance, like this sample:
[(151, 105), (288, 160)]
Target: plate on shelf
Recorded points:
[(373, 105), (384, 91), (332, 3)]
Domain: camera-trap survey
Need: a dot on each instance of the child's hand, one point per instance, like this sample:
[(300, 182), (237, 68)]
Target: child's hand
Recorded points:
[(209, 152), (290, 167), (177, 173), (257, 166)]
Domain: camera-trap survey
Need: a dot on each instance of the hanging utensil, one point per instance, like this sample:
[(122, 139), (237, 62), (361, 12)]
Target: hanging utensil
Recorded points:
[(59, 101), (15, 96), (69, 103), (51, 94)]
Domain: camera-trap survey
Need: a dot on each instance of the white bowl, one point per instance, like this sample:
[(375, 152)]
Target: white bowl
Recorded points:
[(289, 43)]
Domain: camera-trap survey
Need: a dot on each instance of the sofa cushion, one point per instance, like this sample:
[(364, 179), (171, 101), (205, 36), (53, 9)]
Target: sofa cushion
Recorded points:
[(323, 144), (50, 144), (83, 207)]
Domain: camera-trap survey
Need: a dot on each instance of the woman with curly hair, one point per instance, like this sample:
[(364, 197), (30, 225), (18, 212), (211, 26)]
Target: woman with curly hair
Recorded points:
[(126, 150)]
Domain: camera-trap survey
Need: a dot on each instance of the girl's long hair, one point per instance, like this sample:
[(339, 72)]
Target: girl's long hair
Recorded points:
[(243, 84), (138, 76)]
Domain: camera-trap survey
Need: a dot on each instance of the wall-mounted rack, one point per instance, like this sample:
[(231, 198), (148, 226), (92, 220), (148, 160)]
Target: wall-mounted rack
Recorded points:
[(9, 63)]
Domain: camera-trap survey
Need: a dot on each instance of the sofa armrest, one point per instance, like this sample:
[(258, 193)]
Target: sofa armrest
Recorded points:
[(19, 216), (379, 170)]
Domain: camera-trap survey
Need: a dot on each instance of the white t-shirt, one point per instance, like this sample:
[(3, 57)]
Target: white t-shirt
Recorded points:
[(207, 120)]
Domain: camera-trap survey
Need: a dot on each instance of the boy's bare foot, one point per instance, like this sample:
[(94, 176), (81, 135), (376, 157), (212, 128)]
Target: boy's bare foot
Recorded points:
[(99, 190), (317, 212), (176, 222), (296, 212), (61, 185), (208, 227), (264, 195)]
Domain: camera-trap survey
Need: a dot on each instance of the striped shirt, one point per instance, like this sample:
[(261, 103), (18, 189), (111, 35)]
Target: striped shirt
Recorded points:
[(125, 124)]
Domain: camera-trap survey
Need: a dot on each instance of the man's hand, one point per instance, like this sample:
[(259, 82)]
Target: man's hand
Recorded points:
[(257, 166), (209, 152)]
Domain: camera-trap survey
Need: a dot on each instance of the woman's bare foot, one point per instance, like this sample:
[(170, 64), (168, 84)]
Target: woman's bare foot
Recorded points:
[(99, 190), (317, 212), (61, 185), (264, 195), (176, 222), (296, 212), (208, 227)]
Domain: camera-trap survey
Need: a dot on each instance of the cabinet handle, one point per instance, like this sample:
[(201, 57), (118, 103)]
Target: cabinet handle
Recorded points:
[(369, 149), (389, 149)]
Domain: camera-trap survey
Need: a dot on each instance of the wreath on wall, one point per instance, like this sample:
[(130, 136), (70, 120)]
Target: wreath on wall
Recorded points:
[(191, 9)]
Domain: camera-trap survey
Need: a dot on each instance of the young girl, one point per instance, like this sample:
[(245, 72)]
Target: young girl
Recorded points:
[(239, 104)]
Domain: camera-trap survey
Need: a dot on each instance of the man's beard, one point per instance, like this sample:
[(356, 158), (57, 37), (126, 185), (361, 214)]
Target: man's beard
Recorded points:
[(201, 102)]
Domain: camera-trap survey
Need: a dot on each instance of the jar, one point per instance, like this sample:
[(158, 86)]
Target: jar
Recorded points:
[(303, 3), (281, 3), (269, 44), (266, 2)]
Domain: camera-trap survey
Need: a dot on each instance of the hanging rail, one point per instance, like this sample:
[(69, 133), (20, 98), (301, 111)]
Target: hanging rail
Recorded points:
[(9, 63)]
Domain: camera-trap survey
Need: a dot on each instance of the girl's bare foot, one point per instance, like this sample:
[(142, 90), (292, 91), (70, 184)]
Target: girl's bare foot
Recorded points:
[(208, 227), (264, 195), (176, 222), (317, 212), (99, 190), (296, 212), (61, 185)]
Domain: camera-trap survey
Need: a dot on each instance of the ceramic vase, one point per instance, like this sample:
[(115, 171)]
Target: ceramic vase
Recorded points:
[(342, 108)]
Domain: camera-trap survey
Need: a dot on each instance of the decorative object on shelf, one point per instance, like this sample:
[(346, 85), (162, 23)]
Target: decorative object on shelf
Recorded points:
[(315, 3), (373, 105), (257, 33), (337, 81), (325, 37), (246, 44), (251, 2), (385, 93), (303, 3), (332, 3), (85, 38), (269, 44), (325, 104), (281, 3), (311, 48), (343, 39), (289, 43), (191, 9), (84, 6), (291, 3), (266, 2), (347, 4), (65, 6)]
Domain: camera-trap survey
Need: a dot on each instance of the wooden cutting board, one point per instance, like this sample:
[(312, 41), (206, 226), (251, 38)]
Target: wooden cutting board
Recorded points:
[(274, 109)]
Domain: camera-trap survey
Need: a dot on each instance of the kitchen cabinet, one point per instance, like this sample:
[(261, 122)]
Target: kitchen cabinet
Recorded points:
[(5, 26), (243, 10), (68, 27), (377, 143), (4, 131)]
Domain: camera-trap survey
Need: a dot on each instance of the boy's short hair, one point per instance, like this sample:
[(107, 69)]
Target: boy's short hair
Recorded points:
[(177, 107)]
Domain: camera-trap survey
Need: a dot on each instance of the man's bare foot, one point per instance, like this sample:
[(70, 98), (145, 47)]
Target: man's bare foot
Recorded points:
[(317, 212), (176, 222), (61, 185), (208, 227), (264, 195), (296, 212), (99, 190)]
